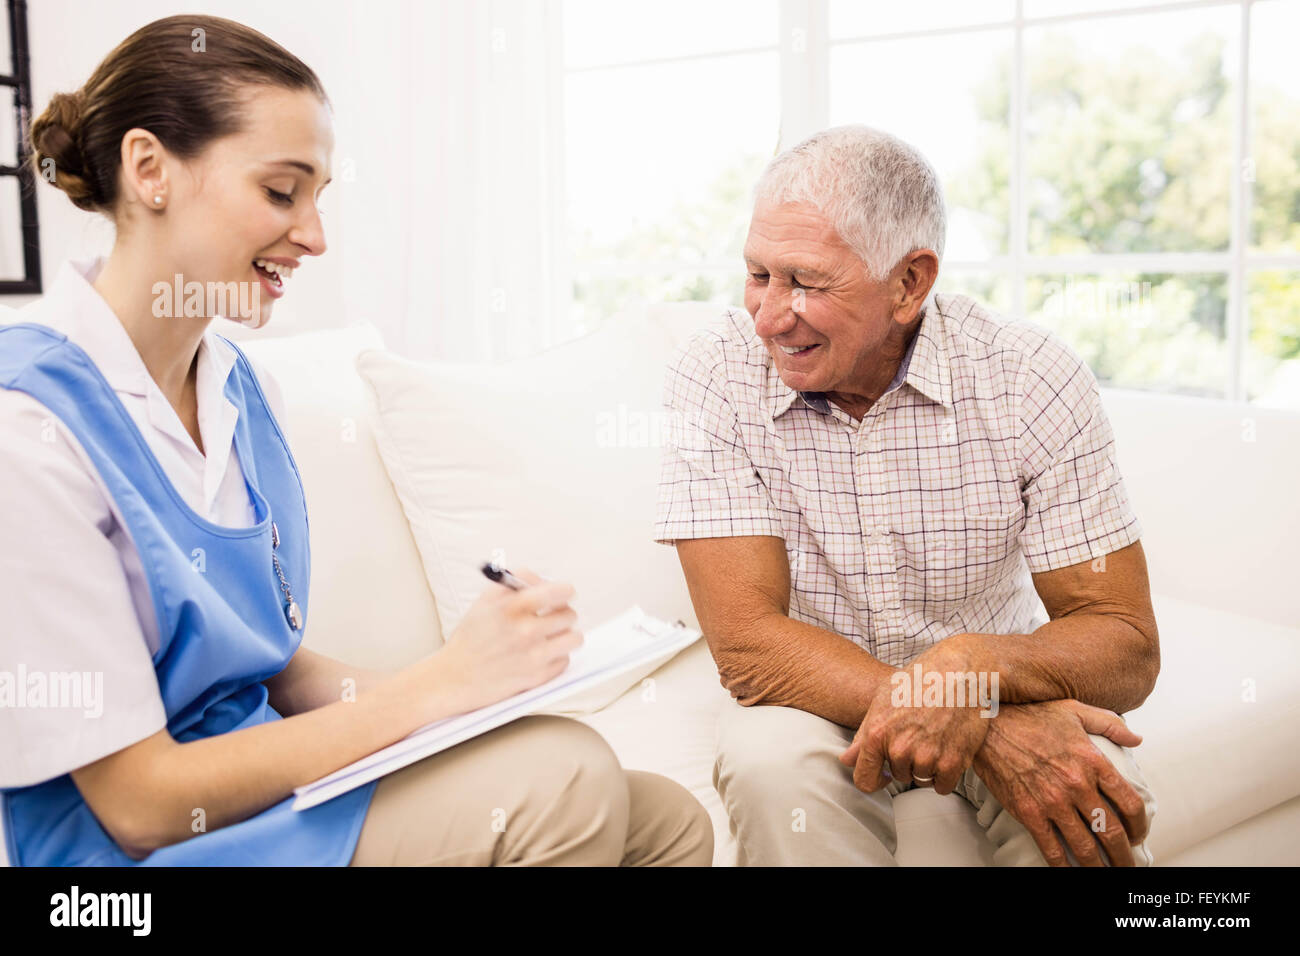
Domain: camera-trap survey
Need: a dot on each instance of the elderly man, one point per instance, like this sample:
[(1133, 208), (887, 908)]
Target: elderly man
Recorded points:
[(860, 480)]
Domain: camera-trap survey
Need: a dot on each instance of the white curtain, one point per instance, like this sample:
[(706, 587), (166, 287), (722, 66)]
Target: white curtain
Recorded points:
[(444, 218), (449, 174)]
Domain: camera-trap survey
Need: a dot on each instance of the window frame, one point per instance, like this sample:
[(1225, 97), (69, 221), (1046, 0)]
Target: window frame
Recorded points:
[(20, 81), (804, 45)]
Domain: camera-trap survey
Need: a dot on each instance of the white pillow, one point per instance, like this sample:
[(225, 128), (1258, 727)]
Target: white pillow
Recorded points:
[(364, 612), (549, 463)]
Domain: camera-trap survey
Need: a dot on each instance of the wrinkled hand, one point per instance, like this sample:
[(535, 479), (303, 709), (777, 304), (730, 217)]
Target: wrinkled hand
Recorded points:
[(918, 741), (1039, 763)]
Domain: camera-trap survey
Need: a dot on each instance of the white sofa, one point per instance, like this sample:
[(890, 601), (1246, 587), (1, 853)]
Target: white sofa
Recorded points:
[(1213, 485)]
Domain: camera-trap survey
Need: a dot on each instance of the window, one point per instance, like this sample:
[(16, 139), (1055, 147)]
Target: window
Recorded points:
[(671, 111), (1124, 174)]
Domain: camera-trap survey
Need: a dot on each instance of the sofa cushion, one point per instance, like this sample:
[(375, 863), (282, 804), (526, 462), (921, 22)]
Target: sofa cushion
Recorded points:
[(550, 463), (1211, 482), (370, 605), (1220, 730)]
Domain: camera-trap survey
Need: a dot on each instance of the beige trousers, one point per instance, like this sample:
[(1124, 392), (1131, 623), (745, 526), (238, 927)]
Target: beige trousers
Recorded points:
[(541, 791), (792, 803)]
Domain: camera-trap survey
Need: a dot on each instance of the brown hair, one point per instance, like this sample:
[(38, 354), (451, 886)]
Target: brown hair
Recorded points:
[(157, 80)]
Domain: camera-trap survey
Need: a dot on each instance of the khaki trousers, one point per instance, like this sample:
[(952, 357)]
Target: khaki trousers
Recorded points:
[(792, 803), (541, 791)]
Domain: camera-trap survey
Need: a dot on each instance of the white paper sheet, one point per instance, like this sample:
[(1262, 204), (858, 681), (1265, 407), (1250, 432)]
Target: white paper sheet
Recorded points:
[(618, 645)]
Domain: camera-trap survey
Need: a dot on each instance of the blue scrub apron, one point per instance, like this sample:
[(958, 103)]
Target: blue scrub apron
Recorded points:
[(222, 629)]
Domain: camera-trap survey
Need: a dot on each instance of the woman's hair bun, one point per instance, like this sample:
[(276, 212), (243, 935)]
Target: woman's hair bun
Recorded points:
[(56, 149)]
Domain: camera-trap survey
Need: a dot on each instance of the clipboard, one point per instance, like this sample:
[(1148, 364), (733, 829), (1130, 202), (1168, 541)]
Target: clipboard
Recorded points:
[(628, 641)]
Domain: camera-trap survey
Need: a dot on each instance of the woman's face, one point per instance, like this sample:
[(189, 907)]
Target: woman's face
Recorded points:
[(245, 211)]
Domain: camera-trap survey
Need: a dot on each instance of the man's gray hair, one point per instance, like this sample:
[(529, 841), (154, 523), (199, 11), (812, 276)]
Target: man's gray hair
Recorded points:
[(879, 193)]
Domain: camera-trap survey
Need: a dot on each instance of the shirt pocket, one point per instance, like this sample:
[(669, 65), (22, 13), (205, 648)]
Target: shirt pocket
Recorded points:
[(960, 554)]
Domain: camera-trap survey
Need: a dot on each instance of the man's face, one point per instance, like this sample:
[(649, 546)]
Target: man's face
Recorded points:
[(807, 290)]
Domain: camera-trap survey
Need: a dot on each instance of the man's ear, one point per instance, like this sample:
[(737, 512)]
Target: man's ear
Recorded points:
[(917, 273), (144, 168)]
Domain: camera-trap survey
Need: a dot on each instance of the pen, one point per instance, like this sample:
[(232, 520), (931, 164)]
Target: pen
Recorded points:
[(494, 572)]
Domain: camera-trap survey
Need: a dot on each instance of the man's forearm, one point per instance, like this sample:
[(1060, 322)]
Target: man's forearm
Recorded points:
[(1098, 659), (782, 662)]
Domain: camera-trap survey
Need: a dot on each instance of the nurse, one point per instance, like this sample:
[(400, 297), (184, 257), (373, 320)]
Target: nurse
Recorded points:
[(156, 704)]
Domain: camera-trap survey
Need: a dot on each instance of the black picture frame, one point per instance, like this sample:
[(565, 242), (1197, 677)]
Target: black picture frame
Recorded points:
[(21, 82)]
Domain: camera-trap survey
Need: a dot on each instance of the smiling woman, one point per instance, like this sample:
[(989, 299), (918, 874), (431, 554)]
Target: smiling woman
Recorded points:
[(207, 145), (137, 440)]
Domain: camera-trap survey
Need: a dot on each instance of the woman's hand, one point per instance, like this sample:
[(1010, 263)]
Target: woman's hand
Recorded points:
[(507, 642)]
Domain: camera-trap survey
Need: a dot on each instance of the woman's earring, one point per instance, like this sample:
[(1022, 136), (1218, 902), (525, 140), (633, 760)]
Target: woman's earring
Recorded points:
[(157, 200)]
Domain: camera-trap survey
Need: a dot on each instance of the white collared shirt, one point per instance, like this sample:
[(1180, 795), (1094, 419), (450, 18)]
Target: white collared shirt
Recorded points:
[(73, 593)]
